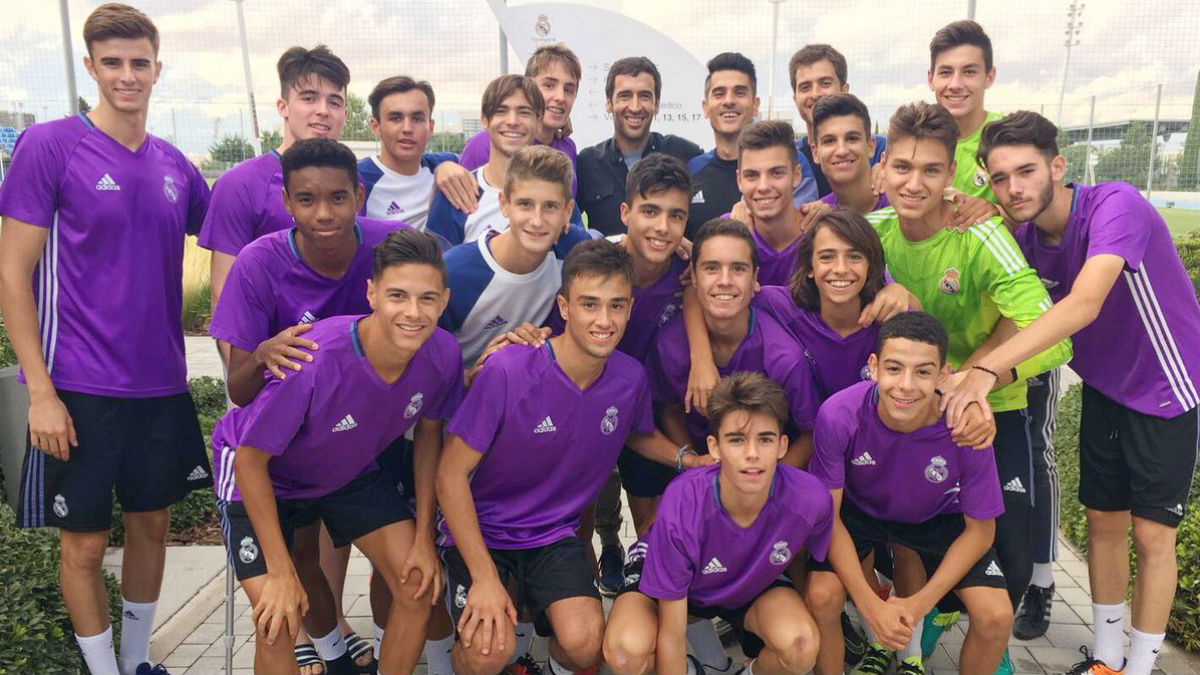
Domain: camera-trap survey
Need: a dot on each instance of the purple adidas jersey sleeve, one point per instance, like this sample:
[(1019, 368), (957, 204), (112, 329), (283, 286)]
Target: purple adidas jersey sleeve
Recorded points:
[(247, 203)]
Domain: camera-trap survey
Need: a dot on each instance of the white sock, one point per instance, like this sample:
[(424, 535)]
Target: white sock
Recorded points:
[(332, 646), (98, 653), (557, 668), (691, 667), (913, 648), (1143, 652), (1043, 575), (437, 655), (1109, 623), (706, 645), (378, 641), (524, 639), (137, 622), (749, 669)]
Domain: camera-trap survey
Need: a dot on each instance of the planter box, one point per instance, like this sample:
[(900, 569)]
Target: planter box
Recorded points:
[(14, 419)]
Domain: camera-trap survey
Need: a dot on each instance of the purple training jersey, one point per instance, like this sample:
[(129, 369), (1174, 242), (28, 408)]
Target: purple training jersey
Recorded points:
[(695, 550), (109, 284), (270, 287), (653, 307), (837, 361), (767, 348), (775, 267), (832, 200), (1143, 350), (478, 151), (325, 425), (547, 447), (247, 204), (906, 478)]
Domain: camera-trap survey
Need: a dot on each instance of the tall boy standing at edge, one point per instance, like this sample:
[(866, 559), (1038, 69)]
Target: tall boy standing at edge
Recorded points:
[(95, 212), (1126, 300)]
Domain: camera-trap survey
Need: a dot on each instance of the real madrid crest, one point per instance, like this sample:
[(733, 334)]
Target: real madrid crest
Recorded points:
[(542, 27), (60, 506), (414, 406), (780, 553), (248, 552), (949, 283), (610, 421), (937, 472), (170, 190)]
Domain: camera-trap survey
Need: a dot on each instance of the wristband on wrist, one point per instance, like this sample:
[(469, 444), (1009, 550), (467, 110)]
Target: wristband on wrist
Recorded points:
[(685, 449), (1014, 373), (989, 371)]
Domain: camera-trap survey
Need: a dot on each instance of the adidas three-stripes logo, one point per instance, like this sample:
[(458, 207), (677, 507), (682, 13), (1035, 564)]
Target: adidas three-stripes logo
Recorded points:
[(394, 209), (864, 459), (714, 566), (106, 183), (346, 424), (546, 426), (1015, 485)]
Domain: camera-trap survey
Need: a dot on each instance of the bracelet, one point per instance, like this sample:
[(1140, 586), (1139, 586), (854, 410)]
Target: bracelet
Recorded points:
[(989, 371), (1014, 373), (685, 449)]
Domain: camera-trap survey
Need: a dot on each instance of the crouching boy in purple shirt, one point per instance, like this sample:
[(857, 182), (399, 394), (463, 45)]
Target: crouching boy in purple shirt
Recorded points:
[(306, 448), (897, 477), (721, 544)]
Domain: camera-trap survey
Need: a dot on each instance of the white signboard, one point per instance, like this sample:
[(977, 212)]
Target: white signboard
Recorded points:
[(599, 37)]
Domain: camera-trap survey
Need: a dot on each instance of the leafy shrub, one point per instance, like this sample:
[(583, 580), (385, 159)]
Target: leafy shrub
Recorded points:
[(1188, 246), (197, 309), (7, 356), (35, 631)]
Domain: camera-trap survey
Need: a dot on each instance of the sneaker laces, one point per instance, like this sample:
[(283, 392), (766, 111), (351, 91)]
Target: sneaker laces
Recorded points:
[(875, 661), (1089, 662), (910, 666)]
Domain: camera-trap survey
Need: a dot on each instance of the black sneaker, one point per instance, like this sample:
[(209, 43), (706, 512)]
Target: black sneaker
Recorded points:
[(854, 642), (612, 562), (145, 668), (725, 632), (1034, 616)]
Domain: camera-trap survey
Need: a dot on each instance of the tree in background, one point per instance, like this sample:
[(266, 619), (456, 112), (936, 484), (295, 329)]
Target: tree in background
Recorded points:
[(1189, 162), (1076, 155), (84, 106), (271, 139), (229, 150), (358, 120), (1130, 161)]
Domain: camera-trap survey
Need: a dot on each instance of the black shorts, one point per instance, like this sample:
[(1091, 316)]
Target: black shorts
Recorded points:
[(149, 449), (396, 463), (362, 506), (1130, 461), (541, 577), (930, 539), (1014, 456), (752, 644), (643, 477)]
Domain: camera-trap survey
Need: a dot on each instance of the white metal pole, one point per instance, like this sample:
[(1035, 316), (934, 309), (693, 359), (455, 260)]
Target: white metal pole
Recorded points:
[(1153, 144), (249, 81), (774, 48), (68, 57), (1089, 174)]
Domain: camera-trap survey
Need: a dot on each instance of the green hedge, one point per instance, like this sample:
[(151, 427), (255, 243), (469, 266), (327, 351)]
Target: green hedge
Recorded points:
[(1184, 625), (35, 631)]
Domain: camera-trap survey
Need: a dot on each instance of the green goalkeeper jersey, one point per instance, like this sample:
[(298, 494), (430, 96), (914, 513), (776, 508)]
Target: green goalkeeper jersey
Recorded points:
[(969, 280), (969, 177)]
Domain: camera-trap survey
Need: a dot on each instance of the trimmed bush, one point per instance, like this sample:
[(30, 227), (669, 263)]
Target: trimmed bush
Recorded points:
[(7, 356), (35, 631)]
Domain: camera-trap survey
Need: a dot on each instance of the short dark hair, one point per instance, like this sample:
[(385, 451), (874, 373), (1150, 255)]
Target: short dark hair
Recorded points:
[(852, 228), (554, 53), (322, 152), (749, 392), (840, 105), (298, 64), (957, 34), (595, 258), (655, 173), (400, 84), (724, 227), (915, 326), (407, 247), (116, 20), (924, 120), (810, 54), (632, 66), (504, 86), (539, 162), (731, 61), (765, 134), (1020, 128)]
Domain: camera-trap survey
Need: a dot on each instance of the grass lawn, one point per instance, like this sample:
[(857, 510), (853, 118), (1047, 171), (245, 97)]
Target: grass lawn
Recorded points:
[(1181, 221)]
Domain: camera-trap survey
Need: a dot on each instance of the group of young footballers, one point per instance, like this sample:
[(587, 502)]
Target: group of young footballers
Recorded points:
[(822, 371)]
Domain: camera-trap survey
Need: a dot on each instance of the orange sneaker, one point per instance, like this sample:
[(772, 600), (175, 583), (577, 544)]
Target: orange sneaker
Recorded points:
[(1093, 666)]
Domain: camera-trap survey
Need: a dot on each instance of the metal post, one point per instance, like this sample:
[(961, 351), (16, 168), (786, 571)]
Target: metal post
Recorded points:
[(503, 50), (1074, 25), (1089, 174), (174, 129), (971, 9), (1153, 144), (228, 619), (249, 82), (68, 57), (774, 44)]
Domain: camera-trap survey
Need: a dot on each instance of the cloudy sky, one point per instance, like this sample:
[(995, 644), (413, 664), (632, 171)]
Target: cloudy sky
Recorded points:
[(1124, 50)]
